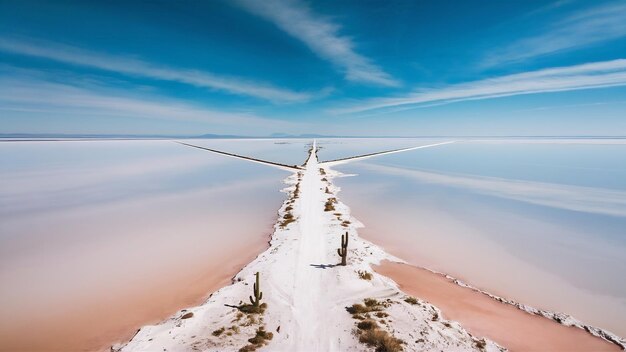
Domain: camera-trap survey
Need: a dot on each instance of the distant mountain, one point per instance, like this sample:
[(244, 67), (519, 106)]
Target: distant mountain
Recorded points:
[(70, 136), (48, 136), (220, 136), (304, 135)]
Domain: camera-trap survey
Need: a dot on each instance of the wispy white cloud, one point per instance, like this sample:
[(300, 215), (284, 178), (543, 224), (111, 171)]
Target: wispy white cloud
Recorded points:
[(580, 29), (138, 68), (576, 198), (567, 106), (584, 76), (34, 95), (322, 36)]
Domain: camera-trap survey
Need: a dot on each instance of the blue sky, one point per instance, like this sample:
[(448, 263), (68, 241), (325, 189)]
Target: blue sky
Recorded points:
[(248, 67)]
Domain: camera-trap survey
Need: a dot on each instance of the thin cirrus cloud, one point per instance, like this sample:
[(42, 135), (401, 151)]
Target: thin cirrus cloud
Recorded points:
[(580, 29), (321, 36), (137, 68), (585, 76), (574, 198), (33, 95)]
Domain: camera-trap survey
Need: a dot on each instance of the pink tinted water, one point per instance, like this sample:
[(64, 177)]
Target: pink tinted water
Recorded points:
[(540, 222), (100, 238)]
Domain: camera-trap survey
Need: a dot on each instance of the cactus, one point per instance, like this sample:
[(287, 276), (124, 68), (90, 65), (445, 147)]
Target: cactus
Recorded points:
[(258, 295), (343, 251)]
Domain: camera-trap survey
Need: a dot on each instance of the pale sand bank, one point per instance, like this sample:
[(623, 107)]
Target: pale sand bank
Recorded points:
[(483, 316)]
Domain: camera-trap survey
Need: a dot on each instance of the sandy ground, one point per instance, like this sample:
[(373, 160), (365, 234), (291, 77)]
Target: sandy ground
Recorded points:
[(483, 316)]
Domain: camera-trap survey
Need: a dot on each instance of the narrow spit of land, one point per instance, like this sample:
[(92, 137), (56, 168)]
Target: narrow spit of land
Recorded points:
[(310, 302)]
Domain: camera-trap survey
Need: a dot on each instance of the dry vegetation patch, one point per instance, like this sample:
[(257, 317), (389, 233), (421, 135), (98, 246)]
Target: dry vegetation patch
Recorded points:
[(481, 344), (367, 324), (296, 191), (252, 309), (238, 317), (288, 218), (369, 331), (253, 316), (381, 315), (369, 305), (218, 332), (261, 336), (258, 340), (364, 275), (329, 206), (411, 300), (187, 315), (380, 340)]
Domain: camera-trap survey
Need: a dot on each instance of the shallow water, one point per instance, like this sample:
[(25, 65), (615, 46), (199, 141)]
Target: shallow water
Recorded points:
[(284, 151), (99, 238), (541, 222)]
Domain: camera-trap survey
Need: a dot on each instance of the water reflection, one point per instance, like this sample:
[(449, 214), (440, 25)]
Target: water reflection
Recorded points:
[(542, 223), (99, 238)]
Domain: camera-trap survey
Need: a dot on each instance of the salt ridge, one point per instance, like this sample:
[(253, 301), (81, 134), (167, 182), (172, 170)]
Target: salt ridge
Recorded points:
[(306, 292)]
